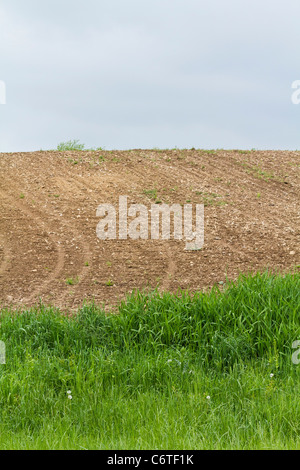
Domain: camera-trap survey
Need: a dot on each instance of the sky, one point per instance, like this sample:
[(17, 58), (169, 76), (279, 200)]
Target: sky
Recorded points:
[(128, 74)]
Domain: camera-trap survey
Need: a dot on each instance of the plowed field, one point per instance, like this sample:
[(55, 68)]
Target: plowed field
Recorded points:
[(49, 249)]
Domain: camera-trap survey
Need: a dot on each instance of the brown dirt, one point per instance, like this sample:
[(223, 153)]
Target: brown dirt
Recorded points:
[(48, 203)]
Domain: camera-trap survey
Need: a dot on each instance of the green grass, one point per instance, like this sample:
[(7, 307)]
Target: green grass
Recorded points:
[(151, 193), (140, 379), (210, 199), (76, 145), (70, 145), (256, 171), (70, 281)]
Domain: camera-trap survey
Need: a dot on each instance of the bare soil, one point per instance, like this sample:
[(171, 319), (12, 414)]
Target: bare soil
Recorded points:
[(48, 203)]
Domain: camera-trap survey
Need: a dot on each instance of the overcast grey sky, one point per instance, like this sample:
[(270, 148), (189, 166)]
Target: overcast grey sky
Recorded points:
[(149, 73)]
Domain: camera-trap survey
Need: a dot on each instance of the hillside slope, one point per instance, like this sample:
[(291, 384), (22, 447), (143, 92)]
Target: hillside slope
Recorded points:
[(49, 249)]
